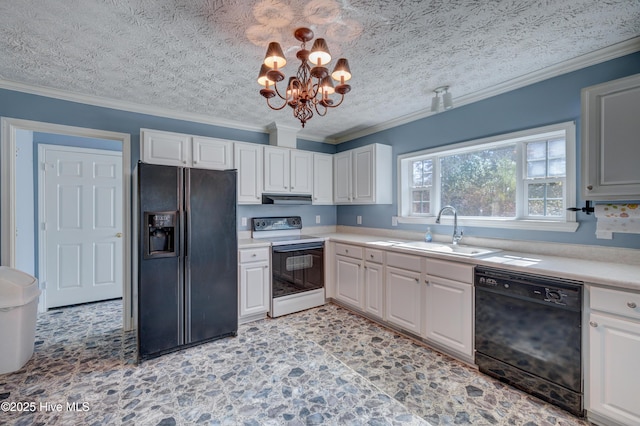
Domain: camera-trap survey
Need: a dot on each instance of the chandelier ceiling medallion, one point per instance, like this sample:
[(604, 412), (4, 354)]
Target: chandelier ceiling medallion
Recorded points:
[(310, 89)]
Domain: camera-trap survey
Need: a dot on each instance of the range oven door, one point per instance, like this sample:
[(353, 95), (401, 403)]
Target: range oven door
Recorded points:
[(297, 268)]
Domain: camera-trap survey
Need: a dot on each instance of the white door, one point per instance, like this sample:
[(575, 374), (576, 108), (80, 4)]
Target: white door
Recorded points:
[(81, 224)]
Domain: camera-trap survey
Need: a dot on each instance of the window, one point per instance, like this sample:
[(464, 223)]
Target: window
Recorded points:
[(517, 178)]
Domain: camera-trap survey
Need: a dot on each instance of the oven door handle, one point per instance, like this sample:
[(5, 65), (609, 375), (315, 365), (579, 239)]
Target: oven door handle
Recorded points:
[(297, 247)]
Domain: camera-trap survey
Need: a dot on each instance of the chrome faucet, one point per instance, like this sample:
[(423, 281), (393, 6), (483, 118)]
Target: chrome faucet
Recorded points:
[(456, 236)]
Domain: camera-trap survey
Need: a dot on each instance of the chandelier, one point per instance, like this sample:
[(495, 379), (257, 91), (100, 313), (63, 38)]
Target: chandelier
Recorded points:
[(310, 89)]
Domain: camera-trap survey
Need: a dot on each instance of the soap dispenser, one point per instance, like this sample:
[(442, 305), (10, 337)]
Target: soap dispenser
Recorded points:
[(427, 236)]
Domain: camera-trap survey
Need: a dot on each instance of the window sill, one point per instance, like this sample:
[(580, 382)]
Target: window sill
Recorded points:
[(529, 225)]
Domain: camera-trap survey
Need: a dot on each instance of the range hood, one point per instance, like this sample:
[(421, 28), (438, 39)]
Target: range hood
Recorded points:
[(286, 199)]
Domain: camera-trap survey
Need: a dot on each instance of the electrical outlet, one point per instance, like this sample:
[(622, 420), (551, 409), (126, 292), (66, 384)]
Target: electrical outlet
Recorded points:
[(244, 221), (318, 218), (394, 220), (359, 220)]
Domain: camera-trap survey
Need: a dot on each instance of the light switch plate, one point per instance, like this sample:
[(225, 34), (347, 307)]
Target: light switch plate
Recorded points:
[(244, 221), (394, 220), (318, 218), (359, 220)]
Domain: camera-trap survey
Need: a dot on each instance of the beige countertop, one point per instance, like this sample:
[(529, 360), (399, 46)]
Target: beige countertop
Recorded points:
[(602, 273)]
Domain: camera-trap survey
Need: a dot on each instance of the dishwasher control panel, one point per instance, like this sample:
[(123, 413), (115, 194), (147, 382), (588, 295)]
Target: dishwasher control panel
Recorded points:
[(543, 289)]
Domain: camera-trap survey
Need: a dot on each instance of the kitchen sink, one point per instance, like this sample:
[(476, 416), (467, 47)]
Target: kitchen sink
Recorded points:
[(460, 250)]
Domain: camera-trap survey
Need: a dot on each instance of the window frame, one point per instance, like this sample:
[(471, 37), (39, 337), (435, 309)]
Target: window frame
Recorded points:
[(521, 221)]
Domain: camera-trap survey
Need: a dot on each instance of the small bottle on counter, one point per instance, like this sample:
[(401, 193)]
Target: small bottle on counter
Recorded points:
[(427, 236)]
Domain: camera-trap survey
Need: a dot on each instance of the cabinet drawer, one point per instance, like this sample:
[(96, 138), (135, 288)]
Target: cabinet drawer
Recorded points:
[(615, 302), (454, 271), (254, 255), (372, 255), (350, 251), (404, 261)]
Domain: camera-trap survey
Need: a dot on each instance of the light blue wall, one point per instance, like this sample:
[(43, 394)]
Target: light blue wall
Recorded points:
[(26, 106), (551, 101)]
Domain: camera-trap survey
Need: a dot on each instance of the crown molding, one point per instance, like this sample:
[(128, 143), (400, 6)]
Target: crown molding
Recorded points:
[(593, 58), (611, 52), (126, 106)]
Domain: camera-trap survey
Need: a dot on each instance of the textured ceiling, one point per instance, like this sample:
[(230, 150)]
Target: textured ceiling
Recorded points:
[(203, 56)]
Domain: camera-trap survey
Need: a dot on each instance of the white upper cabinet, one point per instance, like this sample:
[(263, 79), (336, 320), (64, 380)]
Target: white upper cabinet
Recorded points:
[(210, 153), (287, 170), (177, 149), (610, 144), (322, 178), (169, 149), (248, 161), (342, 177), (276, 169), (363, 175), (301, 171)]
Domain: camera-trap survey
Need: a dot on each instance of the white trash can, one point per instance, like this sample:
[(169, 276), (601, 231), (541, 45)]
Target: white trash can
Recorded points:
[(19, 294)]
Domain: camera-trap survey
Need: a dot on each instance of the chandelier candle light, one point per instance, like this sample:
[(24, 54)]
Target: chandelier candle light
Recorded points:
[(309, 90)]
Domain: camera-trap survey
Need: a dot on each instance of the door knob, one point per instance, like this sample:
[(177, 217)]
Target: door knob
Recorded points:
[(593, 323), (119, 235), (632, 305)]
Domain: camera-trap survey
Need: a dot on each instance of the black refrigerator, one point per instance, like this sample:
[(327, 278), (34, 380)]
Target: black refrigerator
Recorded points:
[(187, 263)]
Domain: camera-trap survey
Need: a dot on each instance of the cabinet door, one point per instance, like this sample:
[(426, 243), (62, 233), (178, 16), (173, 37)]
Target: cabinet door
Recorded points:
[(349, 281), (342, 177), (248, 161), (610, 148), (448, 314), (404, 299), (614, 376), (363, 174), (322, 179), (276, 169), (209, 153), (373, 289), (254, 288), (301, 171), (169, 149)]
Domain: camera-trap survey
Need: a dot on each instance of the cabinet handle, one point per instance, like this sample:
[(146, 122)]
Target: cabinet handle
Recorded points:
[(184, 162), (346, 250), (426, 282), (632, 305), (593, 323), (417, 280), (253, 255), (371, 256), (590, 187)]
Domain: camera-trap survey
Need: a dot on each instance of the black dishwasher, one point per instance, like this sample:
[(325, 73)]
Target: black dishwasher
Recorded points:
[(528, 334)]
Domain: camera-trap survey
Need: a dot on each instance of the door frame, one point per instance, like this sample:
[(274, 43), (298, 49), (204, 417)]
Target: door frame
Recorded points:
[(8, 136)]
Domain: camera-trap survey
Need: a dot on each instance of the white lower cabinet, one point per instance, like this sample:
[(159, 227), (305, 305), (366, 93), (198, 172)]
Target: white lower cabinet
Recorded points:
[(449, 306), (349, 275), (404, 292), (374, 283), (349, 281), (613, 380), (254, 284), (404, 299)]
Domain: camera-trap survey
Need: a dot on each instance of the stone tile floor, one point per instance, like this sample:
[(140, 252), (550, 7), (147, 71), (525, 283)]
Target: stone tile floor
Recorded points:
[(321, 366)]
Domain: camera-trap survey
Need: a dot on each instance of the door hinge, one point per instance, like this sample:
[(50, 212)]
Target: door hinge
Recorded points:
[(43, 285), (44, 226)]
